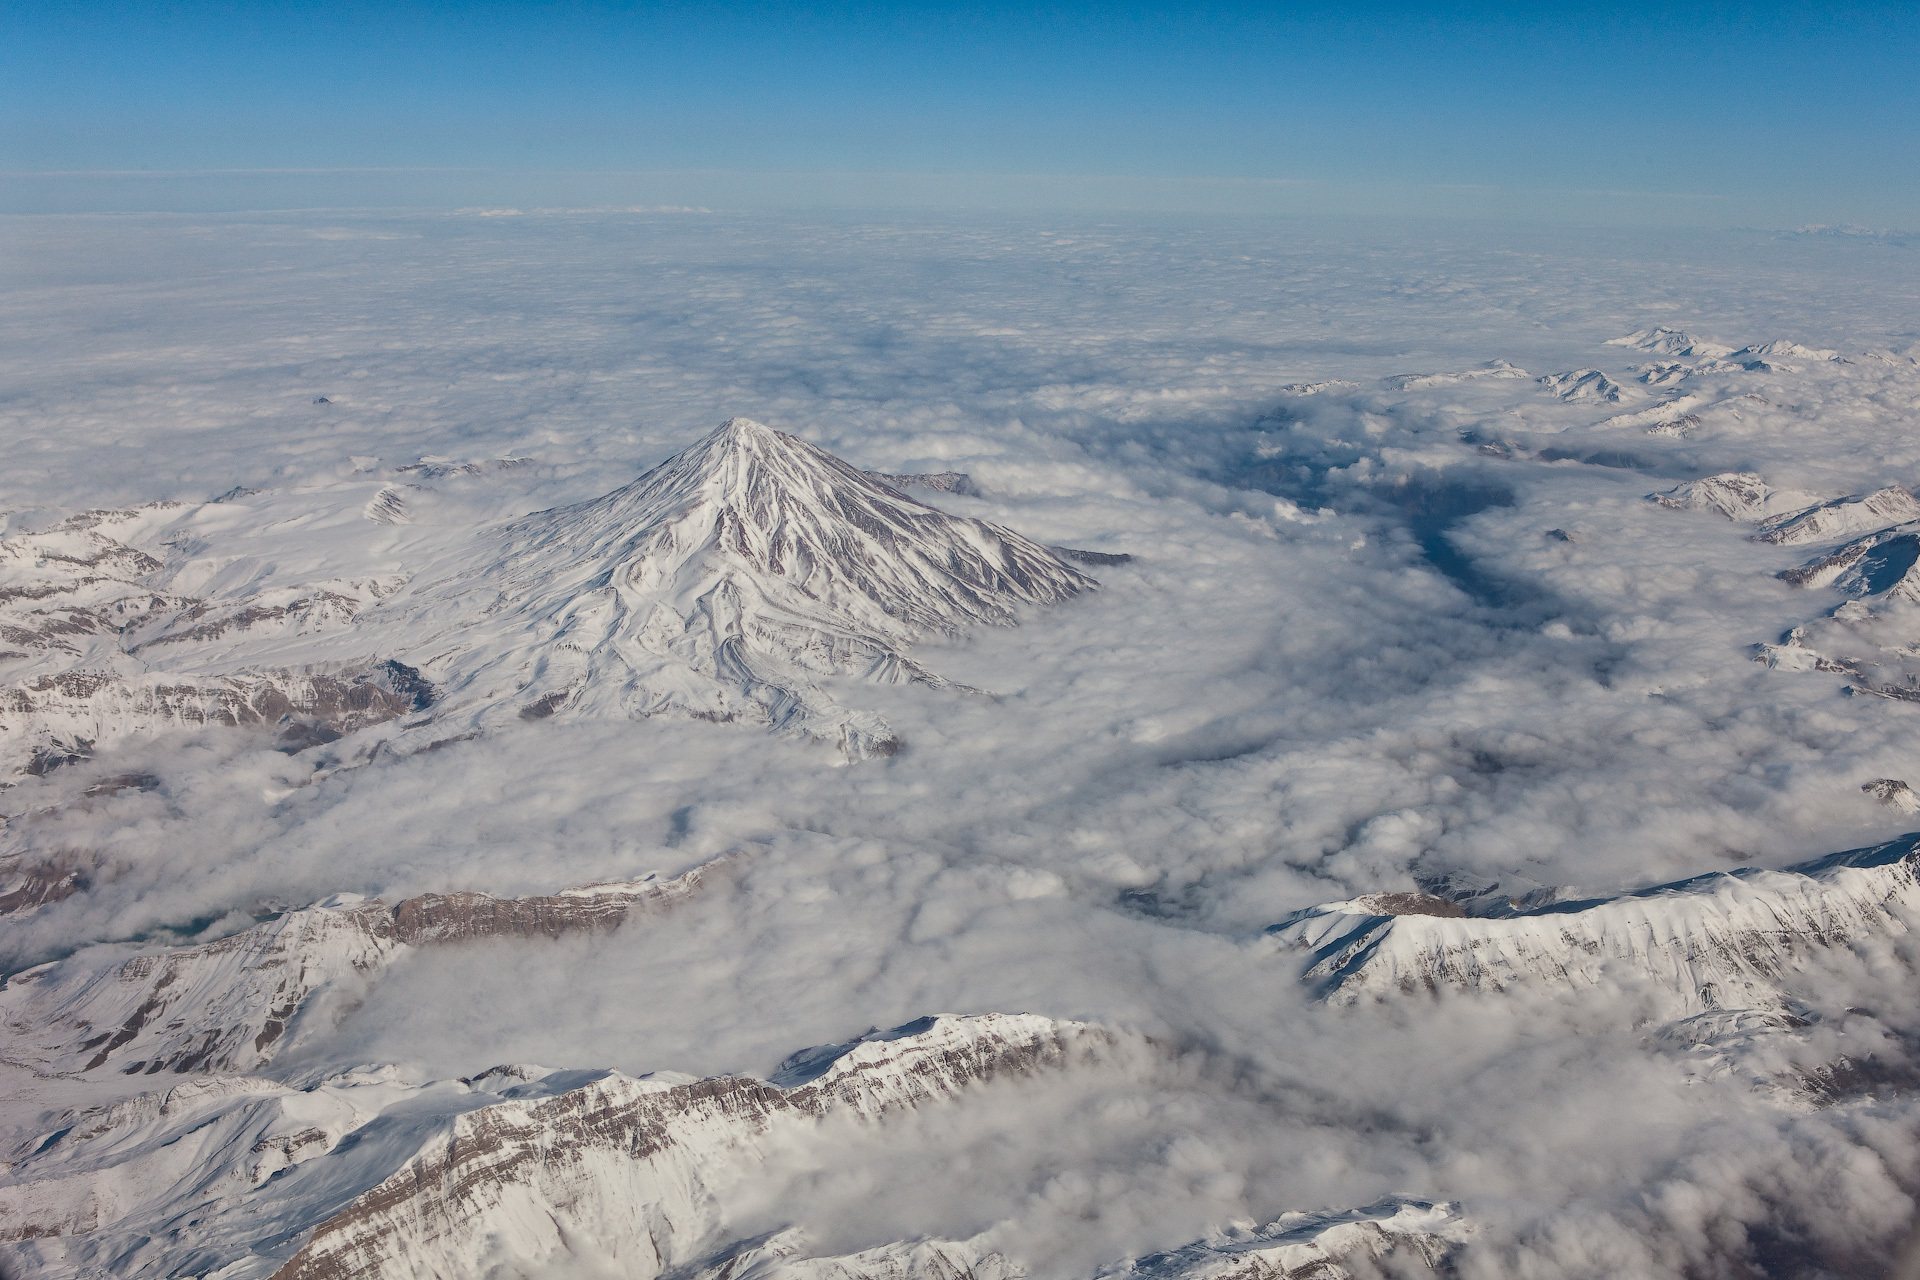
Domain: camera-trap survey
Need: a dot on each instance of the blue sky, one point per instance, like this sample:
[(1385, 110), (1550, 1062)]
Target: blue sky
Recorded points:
[(1720, 115)]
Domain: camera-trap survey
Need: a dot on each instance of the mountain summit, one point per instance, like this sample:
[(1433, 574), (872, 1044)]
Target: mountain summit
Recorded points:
[(724, 581), (720, 585)]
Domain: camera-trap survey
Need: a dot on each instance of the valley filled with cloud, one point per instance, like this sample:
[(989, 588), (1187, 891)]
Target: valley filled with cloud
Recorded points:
[(1282, 736)]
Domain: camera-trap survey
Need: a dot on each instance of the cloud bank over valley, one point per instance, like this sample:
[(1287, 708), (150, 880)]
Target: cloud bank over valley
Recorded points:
[(1300, 743)]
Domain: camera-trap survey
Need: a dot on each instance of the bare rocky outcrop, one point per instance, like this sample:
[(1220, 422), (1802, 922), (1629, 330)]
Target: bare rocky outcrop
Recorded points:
[(1409, 904), (26, 887)]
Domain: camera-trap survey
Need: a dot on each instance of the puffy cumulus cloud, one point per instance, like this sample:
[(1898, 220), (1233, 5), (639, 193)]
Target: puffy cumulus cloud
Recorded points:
[(1378, 636)]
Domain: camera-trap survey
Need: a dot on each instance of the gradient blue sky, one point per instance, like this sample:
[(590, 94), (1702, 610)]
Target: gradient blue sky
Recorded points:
[(1721, 115)]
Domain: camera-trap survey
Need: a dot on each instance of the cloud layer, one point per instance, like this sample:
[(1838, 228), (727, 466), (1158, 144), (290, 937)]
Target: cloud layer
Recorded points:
[(1375, 637)]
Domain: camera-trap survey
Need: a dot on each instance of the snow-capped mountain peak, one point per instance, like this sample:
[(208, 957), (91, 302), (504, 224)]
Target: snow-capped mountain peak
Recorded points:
[(749, 500), (722, 582), (719, 585)]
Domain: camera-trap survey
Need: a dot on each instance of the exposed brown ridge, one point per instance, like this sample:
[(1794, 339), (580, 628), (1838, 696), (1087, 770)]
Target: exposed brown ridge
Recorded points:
[(459, 917)]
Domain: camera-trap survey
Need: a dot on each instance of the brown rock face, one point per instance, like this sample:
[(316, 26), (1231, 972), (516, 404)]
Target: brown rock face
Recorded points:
[(36, 886), (434, 918)]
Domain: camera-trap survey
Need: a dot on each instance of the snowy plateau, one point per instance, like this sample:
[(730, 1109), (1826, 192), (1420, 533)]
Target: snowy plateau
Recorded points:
[(689, 747)]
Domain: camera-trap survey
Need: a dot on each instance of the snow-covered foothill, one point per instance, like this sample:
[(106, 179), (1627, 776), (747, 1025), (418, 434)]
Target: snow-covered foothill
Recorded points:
[(1494, 370), (954, 482), (1778, 356), (1741, 496), (1663, 373), (1315, 388), (231, 1005), (1881, 564), (1586, 386), (1407, 1235), (1675, 417), (1842, 517), (787, 1255), (1712, 941), (370, 1175), (1663, 341)]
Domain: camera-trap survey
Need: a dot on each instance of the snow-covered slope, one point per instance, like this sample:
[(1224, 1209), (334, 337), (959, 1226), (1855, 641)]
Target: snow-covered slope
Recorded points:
[(1738, 495), (1662, 341), (230, 1005), (1872, 636), (1717, 940), (372, 1174), (1778, 356), (1408, 1236), (1586, 386), (53, 718), (1880, 564), (721, 584), (222, 1006), (787, 1255), (1831, 521), (631, 1164), (97, 641), (1495, 370), (368, 1175), (72, 591)]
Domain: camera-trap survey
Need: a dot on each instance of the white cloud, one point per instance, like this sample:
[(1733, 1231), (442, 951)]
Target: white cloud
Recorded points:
[(1282, 700)]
